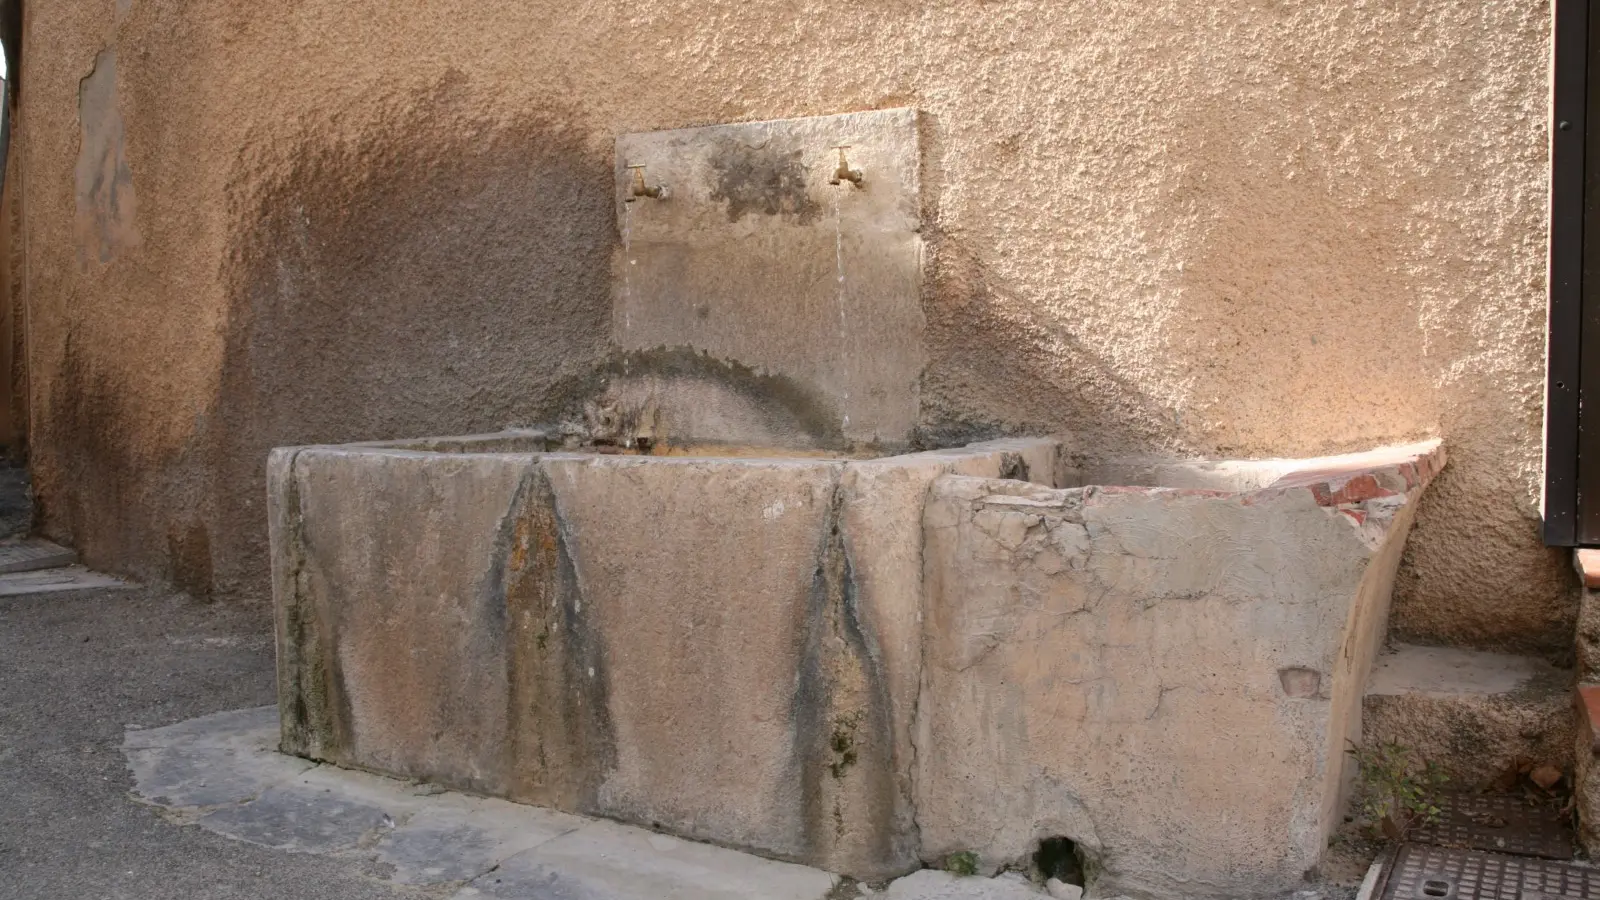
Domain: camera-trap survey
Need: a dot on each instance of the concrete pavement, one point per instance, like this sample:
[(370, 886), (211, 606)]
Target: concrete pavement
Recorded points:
[(75, 669)]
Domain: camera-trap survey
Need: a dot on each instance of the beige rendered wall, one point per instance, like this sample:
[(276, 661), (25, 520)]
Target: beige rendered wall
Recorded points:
[(1240, 228)]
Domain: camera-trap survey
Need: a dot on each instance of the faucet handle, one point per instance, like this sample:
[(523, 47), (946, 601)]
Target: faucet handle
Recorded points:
[(659, 192), (843, 172)]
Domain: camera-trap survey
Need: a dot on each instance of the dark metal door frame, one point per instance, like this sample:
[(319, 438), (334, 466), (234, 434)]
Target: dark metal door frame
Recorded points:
[(1567, 519)]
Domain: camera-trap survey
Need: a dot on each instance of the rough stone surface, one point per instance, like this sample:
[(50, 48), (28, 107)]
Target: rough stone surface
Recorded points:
[(402, 631), (664, 396), (1226, 229), (1472, 713), (1451, 671), (292, 818), (606, 861), (1098, 660), (454, 838), (1063, 891), (213, 761), (511, 440), (881, 527), (753, 256), (55, 581), (32, 554), (931, 884), (717, 664)]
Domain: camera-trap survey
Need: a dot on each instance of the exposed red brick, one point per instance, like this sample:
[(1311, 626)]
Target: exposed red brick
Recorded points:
[(1408, 472), (1587, 562), (1355, 490)]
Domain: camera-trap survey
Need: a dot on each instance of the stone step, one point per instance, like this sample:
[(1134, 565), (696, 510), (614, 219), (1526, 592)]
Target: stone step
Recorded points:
[(52, 581), (31, 554), (222, 773), (1473, 713)]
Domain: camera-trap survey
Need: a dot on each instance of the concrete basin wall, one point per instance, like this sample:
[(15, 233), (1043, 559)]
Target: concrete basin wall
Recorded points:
[(856, 664), (724, 648)]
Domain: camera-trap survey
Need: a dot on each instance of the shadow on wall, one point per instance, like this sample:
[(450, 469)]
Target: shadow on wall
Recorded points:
[(1260, 326), (441, 275), (988, 355), (995, 366)]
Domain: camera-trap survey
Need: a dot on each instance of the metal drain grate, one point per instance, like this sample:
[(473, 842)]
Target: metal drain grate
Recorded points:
[(1504, 823), (1445, 873)]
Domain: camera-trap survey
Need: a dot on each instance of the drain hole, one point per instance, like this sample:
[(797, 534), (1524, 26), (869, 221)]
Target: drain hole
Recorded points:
[(1435, 887), (1058, 858), (1014, 468)]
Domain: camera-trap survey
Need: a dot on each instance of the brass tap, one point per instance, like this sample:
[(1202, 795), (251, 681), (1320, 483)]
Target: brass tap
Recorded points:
[(844, 172), (659, 192)]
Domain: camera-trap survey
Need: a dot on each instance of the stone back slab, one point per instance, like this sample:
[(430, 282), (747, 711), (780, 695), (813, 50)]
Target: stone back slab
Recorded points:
[(754, 256)]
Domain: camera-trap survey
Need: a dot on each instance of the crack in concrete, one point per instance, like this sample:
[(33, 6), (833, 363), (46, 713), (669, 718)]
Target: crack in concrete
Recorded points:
[(1161, 697)]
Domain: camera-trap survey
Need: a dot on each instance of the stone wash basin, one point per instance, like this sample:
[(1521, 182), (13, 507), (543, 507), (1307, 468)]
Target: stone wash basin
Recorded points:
[(860, 664)]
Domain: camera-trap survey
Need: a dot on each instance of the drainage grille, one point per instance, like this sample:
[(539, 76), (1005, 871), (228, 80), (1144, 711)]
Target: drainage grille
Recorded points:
[(1505, 823), (1445, 873)]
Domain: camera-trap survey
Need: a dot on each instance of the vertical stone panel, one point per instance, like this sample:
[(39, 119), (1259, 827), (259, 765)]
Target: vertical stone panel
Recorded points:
[(700, 575), (402, 566), (1146, 671)]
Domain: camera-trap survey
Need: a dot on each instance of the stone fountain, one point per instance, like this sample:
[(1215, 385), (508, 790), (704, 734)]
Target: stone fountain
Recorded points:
[(727, 602)]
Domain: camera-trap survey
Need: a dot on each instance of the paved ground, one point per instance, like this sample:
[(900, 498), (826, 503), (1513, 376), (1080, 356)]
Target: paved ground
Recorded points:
[(223, 773), (74, 669)]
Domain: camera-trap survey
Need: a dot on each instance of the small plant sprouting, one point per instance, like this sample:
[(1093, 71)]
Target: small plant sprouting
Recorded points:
[(1395, 796), (843, 744), (961, 862)]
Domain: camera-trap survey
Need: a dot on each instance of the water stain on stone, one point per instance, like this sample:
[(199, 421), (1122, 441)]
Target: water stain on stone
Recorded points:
[(762, 181), (440, 274), (189, 555)]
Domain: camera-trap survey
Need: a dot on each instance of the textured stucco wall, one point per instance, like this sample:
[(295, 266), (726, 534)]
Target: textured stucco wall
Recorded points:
[(1246, 228)]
